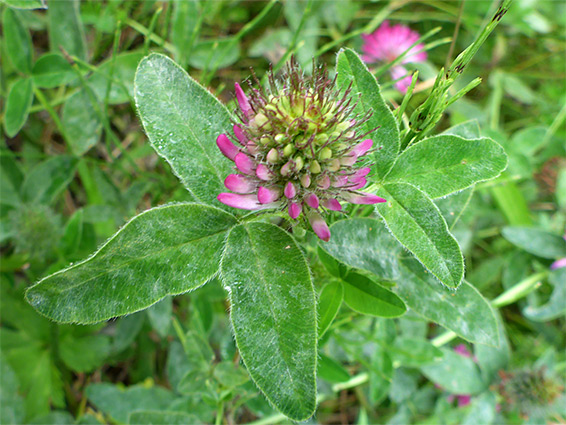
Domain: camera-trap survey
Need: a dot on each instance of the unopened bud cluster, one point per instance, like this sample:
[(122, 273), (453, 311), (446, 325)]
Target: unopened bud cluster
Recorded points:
[(298, 148)]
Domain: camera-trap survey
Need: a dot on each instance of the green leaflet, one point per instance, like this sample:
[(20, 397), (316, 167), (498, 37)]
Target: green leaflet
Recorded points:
[(182, 120), (445, 164), (273, 314), (365, 296), (456, 374), (48, 179), (536, 241), (416, 222), (364, 243), (66, 29), (166, 250), (329, 303), (351, 69), (455, 310), (81, 121), (18, 104), (52, 70), (18, 41)]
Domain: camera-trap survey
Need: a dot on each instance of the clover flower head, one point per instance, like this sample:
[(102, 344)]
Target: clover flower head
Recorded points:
[(298, 147), (387, 43)]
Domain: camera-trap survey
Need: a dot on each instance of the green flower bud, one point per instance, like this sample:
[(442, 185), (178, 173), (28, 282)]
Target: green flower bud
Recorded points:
[(289, 150), (273, 156), (325, 153), (315, 167)]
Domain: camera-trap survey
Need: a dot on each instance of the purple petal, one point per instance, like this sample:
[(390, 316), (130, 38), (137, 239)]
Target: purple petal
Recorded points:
[(332, 204), (340, 181), (227, 147), (244, 163), (319, 226), (324, 182), (305, 180), (362, 172), (364, 198), (243, 202), (295, 210), (267, 195), (290, 190), (239, 184), (263, 173), (243, 101), (558, 264), (359, 184), (403, 84), (361, 148), (312, 201), (349, 159), (239, 133)]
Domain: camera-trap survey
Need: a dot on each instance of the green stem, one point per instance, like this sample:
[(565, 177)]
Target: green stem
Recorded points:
[(520, 290), (219, 413)]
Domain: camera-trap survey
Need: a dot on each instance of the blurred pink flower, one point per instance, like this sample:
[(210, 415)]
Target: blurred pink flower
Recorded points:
[(387, 43)]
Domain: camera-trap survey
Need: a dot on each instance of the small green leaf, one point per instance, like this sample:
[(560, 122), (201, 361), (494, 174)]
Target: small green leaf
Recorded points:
[(416, 222), (86, 353), (451, 207), (18, 41), (364, 243), (148, 417), (493, 359), (483, 409), (273, 314), (415, 352), (445, 164), (25, 4), (329, 303), (18, 104), (455, 310), (230, 375), (118, 403), (331, 371), (555, 307), (363, 295), (456, 374), (333, 266), (381, 374), (66, 29), (536, 241), (123, 73), (48, 179), (182, 120), (467, 129), (224, 53), (160, 315), (154, 255), (52, 70), (82, 122), (382, 124)]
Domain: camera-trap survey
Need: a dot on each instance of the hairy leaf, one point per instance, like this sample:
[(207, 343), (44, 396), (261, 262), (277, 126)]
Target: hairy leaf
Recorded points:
[(416, 222), (382, 123), (367, 297), (445, 164), (364, 243), (166, 250), (182, 120), (465, 311), (18, 104), (274, 314)]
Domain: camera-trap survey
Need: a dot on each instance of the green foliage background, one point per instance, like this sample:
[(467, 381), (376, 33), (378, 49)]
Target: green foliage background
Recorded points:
[(76, 166)]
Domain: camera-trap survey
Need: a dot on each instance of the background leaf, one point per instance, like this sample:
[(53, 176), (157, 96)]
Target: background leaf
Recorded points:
[(364, 243), (182, 120), (66, 29), (153, 255), (445, 164), (416, 222), (367, 297), (536, 241), (52, 70), (454, 310), (329, 303), (274, 314), (18, 41), (82, 122), (48, 179), (350, 68), (18, 104)]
